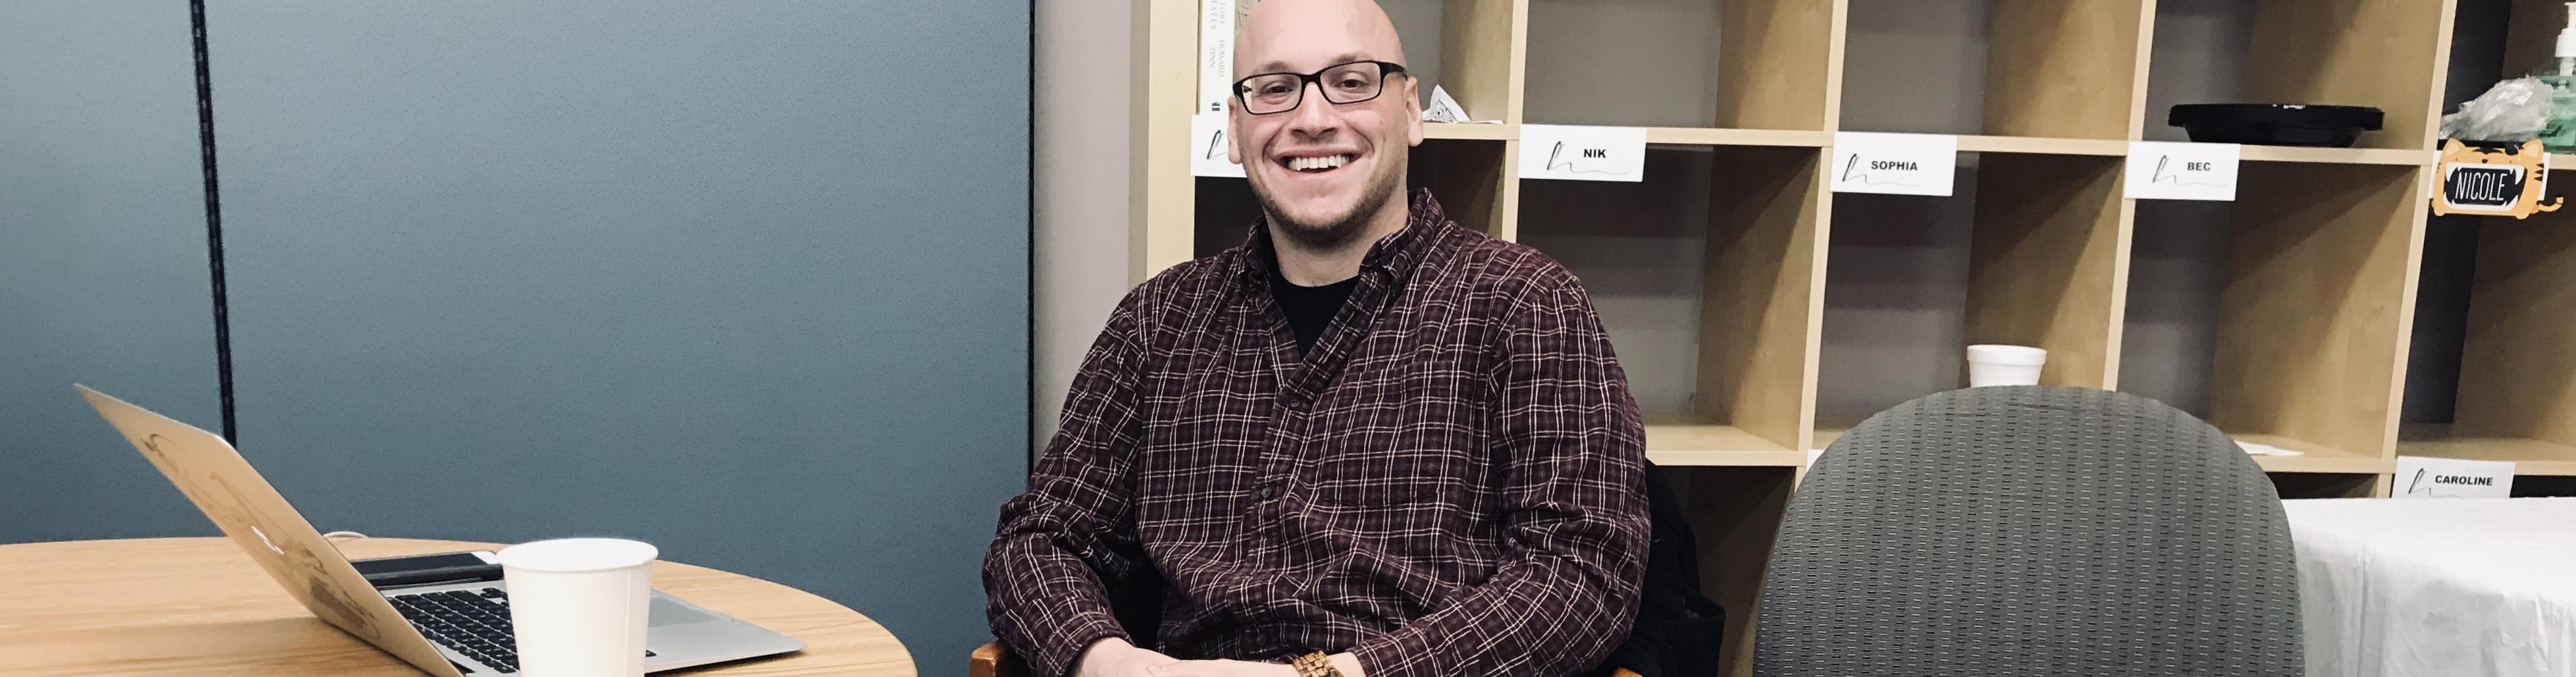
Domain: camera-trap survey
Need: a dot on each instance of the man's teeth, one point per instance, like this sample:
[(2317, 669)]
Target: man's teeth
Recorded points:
[(1311, 163)]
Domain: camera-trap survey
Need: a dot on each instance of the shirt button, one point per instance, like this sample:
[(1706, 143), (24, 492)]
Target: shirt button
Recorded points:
[(1267, 492)]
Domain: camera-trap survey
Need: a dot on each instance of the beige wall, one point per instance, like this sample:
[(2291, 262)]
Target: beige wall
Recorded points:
[(1078, 201)]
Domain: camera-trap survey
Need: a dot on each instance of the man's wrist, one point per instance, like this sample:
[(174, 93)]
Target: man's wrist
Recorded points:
[(1093, 657)]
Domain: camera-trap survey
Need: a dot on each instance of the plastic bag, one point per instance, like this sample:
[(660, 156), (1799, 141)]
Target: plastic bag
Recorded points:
[(2512, 110)]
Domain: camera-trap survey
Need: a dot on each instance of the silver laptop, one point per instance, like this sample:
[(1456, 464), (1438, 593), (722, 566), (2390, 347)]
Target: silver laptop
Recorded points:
[(451, 629)]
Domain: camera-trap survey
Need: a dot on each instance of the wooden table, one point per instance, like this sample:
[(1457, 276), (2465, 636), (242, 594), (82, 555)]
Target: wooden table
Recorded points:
[(198, 606)]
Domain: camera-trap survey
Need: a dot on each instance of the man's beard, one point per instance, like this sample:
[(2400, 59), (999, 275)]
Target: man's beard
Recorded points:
[(1334, 232)]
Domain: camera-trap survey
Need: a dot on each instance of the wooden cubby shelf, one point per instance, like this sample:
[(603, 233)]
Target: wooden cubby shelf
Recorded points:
[(2516, 393), (1682, 442), (1717, 274), (1710, 136), (2338, 156), (1827, 432), (2313, 458), (2529, 456), (2024, 145), (2312, 325), (1471, 132)]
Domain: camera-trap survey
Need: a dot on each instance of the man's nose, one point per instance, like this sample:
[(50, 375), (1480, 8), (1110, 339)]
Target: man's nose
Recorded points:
[(1314, 114)]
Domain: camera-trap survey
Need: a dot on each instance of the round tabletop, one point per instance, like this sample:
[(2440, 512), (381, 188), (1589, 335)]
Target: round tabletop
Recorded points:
[(163, 606)]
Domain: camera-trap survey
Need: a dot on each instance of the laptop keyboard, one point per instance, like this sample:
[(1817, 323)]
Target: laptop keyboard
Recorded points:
[(476, 624)]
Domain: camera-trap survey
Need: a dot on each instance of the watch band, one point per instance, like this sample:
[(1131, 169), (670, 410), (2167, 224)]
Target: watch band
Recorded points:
[(1315, 665)]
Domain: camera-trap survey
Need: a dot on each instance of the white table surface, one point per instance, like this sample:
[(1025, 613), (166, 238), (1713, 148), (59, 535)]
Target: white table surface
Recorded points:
[(2437, 587)]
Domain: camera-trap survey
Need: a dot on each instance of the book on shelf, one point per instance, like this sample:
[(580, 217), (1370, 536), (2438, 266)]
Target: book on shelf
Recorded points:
[(1219, 22)]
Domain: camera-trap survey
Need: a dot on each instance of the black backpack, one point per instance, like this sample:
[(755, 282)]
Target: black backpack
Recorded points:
[(1678, 630)]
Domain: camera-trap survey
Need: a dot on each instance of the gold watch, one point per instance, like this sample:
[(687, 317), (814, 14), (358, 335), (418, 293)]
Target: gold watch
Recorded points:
[(1315, 665)]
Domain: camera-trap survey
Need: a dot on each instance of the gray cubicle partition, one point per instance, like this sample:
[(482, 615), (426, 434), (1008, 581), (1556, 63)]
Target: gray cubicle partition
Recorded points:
[(745, 280), (102, 264)]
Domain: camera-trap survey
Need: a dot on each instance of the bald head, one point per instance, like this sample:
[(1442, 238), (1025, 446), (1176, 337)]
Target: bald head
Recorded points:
[(1305, 35), (1328, 166)]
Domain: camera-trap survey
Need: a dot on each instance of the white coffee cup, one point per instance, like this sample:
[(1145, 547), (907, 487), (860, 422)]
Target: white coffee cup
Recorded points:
[(579, 605), (2003, 365)]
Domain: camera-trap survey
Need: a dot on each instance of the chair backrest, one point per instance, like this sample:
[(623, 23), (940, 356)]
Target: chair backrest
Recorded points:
[(2032, 530)]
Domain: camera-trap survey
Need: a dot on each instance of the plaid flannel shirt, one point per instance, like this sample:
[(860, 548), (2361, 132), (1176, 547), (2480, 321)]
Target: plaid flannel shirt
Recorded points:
[(1449, 483)]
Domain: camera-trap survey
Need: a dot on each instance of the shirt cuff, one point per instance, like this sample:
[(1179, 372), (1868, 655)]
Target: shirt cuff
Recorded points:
[(1397, 658), (1073, 634)]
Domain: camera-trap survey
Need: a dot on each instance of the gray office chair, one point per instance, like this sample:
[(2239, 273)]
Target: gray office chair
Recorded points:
[(2032, 530)]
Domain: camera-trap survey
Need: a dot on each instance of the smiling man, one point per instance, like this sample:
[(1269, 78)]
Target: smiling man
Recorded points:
[(1368, 441)]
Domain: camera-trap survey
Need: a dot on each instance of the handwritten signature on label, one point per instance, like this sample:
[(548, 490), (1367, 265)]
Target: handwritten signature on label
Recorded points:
[(1901, 164), (1583, 153), (2167, 170)]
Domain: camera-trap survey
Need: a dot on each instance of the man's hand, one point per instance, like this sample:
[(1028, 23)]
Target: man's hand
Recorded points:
[(1226, 669), (1114, 657)]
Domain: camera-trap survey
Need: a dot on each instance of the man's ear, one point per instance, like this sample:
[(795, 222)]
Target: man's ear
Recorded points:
[(1412, 111), (1233, 125)]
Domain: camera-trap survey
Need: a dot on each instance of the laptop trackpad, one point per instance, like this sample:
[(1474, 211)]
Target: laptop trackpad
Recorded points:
[(667, 612)]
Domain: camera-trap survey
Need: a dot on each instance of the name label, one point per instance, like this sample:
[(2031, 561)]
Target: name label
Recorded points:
[(1207, 147), (2472, 187), (2489, 180), (2427, 477), (1902, 164), (2164, 170), (1583, 153)]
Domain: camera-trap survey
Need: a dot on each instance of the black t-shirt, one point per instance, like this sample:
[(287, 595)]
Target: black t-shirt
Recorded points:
[(1309, 309)]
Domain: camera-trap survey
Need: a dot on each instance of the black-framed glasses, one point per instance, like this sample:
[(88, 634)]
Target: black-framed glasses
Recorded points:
[(1352, 82)]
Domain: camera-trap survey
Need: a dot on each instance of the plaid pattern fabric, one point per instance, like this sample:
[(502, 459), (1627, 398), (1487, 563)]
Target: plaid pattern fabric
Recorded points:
[(1450, 483)]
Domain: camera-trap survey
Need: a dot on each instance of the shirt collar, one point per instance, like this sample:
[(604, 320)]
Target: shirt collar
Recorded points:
[(1393, 253)]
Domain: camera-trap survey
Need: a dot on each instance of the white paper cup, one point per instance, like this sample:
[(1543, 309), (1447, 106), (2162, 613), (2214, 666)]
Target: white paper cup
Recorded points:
[(579, 605), (2002, 365)]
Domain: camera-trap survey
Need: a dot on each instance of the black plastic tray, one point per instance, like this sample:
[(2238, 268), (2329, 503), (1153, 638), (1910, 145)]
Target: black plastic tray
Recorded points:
[(2276, 124)]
